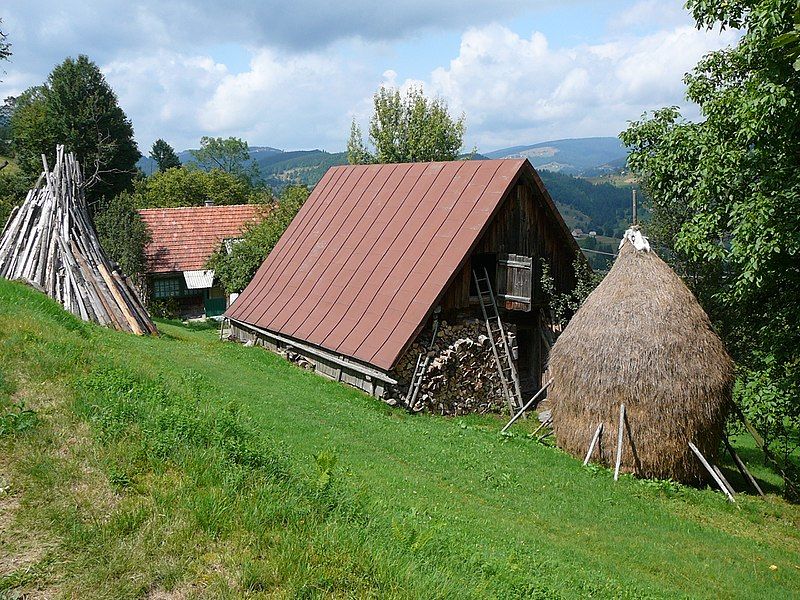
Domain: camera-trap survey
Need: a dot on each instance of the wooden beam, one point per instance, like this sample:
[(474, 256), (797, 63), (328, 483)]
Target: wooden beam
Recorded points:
[(524, 408), (592, 444), (711, 471), (619, 441), (741, 466)]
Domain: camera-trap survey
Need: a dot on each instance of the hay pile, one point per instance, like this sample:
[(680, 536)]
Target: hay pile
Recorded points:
[(641, 339)]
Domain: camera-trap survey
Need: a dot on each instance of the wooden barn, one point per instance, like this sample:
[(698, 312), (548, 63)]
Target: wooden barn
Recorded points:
[(418, 283)]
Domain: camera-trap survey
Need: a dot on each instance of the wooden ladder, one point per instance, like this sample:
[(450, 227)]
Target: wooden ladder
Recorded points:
[(419, 370), (502, 356), (416, 380)]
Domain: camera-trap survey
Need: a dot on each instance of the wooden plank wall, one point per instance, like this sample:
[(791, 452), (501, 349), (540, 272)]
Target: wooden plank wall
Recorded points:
[(523, 226)]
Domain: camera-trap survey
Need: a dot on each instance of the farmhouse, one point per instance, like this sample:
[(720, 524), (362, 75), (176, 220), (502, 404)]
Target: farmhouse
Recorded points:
[(182, 241), (392, 276)]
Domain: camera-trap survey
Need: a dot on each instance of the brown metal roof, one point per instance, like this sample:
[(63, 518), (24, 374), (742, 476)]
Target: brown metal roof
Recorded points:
[(364, 262)]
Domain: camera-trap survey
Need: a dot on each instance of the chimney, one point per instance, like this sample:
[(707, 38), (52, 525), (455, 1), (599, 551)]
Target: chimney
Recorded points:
[(209, 203)]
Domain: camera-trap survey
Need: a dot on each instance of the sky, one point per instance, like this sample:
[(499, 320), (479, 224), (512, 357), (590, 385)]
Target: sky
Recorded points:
[(294, 74)]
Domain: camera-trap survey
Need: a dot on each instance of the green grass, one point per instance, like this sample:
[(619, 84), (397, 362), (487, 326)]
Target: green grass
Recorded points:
[(183, 465)]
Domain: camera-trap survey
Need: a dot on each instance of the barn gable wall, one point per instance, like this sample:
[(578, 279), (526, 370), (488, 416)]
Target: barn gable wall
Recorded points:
[(524, 225)]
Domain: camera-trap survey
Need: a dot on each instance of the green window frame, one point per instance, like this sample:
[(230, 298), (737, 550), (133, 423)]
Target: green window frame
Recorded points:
[(168, 287)]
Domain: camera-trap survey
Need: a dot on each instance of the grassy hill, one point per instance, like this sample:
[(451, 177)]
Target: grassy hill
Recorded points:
[(182, 466)]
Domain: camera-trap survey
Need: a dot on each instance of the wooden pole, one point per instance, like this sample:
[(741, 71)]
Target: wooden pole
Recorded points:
[(541, 426), (592, 445), (711, 471), (727, 483), (635, 216), (524, 408), (619, 441), (741, 466)]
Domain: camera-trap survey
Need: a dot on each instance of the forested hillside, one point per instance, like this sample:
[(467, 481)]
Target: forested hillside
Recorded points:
[(600, 207)]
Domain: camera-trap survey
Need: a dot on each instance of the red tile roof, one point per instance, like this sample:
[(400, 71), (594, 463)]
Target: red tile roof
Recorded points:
[(372, 250), (184, 238)]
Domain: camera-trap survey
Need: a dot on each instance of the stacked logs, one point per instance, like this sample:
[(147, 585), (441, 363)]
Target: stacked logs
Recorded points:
[(49, 243), (461, 376)]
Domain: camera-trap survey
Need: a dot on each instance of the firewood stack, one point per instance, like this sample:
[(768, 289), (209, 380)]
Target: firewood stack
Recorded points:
[(49, 242), (462, 374)]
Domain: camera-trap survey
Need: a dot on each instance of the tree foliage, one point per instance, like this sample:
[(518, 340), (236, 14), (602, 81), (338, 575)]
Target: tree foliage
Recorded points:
[(229, 155), (5, 45), (236, 269), (76, 107), (164, 155), (726, 201), (6, 112), (124, 235), (564, 304), (407, 128), (13, 187), (181, 186)]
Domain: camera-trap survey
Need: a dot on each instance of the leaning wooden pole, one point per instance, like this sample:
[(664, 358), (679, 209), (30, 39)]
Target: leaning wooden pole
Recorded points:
[(619, 440), (595, 437), (711, 471), (49, 242), (741, 466), (524, 408)]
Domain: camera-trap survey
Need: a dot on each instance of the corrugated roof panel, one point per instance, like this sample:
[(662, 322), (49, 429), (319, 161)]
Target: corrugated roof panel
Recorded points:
[(372, 250), (199, 279)]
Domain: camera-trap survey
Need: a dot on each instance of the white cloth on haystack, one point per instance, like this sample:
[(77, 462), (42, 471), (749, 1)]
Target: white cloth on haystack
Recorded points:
[(635, 237)]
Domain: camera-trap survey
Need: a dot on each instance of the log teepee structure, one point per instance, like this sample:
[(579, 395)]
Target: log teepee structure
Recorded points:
[(49, 242)]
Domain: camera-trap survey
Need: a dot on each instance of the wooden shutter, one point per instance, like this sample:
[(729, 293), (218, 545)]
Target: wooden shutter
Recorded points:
[(515, 281)]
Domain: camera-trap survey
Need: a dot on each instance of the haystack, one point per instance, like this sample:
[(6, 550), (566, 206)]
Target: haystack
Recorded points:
[(641, 339)]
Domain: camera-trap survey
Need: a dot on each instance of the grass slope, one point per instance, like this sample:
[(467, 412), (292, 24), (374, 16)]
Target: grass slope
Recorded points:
[(181, 466)]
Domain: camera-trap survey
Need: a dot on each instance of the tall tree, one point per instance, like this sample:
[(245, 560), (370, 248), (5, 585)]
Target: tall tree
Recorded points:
[(726, 200), (5, 45), (6, 112), (407, 128), (230, 155), (164, 155), (235, 266), (76, 107), (124, 235), (193, 187)]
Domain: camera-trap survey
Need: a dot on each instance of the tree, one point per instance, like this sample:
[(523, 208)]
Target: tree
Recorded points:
[(230, 155), (76, 107), (124, 235), (192, 187), (725, 197), (164, 155), (790, 41), (6, 112), (409, 128), (236, 268), (5, 45)]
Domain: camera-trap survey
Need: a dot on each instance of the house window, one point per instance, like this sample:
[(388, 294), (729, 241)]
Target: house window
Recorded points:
[(170, 287)]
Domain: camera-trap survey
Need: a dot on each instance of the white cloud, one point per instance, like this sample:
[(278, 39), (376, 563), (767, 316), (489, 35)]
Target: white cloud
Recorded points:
[(313, 67), (289, 101), (646, 12), (163, 93), (520, 90)]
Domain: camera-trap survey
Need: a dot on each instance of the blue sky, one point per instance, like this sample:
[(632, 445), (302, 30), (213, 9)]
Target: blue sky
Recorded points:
[(295, 74)]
